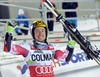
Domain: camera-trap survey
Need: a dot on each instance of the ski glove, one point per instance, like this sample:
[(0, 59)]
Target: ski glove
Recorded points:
[(71, 43), (10, 26)]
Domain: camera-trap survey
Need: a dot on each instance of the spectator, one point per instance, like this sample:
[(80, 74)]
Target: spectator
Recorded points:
[(70, 14), (22, 23)]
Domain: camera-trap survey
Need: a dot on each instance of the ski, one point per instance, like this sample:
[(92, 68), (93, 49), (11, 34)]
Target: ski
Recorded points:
[(85, 45)]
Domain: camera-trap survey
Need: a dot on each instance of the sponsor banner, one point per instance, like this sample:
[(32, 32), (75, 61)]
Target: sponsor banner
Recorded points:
[(18, 68), (78, 61), (14, 70), (12, 66)]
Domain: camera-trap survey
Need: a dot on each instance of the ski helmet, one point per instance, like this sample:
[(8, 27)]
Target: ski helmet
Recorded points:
[(36, 24)]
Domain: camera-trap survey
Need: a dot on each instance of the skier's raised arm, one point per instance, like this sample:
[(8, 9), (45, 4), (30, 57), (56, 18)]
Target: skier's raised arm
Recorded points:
[(68, 52), (8, 46), (85, 45), (10, 26)]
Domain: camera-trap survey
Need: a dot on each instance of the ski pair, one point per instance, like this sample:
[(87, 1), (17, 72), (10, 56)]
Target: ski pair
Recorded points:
[(85, 45)]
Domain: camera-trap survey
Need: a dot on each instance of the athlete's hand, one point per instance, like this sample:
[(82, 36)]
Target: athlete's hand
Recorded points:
[(71, 43), (10, 26)]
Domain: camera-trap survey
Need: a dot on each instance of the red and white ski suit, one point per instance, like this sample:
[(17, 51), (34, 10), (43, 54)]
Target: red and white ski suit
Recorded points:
[(39, 61)]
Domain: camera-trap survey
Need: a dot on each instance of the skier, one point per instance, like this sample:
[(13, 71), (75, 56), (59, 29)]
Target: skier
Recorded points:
[(40, 54)]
